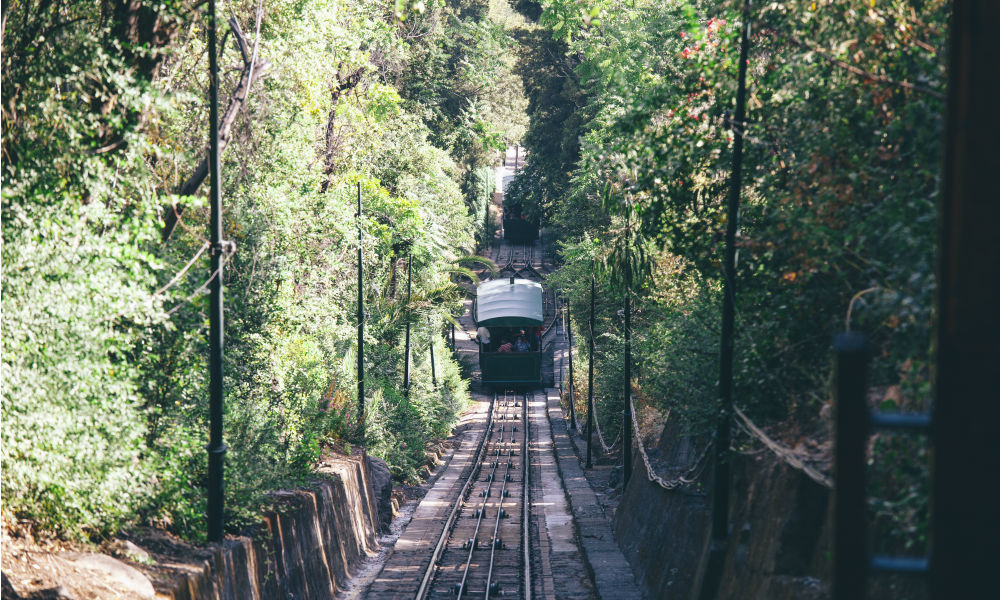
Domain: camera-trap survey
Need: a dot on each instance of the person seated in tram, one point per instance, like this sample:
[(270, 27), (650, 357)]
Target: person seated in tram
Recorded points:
[(506, 346), (484, 338), (522, 344)]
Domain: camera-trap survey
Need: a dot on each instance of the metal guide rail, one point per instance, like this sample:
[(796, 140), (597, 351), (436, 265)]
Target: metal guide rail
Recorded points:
[(518, 260), (483, 550)]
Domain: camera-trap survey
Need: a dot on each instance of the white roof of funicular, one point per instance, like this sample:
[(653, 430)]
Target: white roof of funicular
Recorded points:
[(501, 303)]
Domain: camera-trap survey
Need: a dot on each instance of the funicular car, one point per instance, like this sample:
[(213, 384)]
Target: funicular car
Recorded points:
[(518, 228), (520, 231), (509, 317)]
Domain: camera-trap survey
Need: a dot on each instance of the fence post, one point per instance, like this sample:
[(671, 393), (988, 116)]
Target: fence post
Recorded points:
[(406, 360), (964, 525), (850, 543), (361, 322), (590, 380)]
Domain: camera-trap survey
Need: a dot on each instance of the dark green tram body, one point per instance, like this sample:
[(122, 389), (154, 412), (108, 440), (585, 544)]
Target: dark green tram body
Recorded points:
[(520, 231), (511, 311)]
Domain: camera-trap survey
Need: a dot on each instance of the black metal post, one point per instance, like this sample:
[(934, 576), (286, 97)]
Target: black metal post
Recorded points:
[(720, 494), (965, 525), (627, 411), (590, 380), (517, 156), (720, 513), (406, 360), (216, 449), (850, 541), (434, 379), (487, 236), (453, 337), (361, 323), (572, 385)]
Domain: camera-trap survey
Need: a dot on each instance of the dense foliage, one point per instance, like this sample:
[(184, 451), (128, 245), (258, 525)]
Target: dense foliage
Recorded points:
[(104, 322), (837, 217)]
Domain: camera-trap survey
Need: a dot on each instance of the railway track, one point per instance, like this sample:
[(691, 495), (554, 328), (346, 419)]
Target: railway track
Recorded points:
[(484, 549), (518, 260), (478, 534)]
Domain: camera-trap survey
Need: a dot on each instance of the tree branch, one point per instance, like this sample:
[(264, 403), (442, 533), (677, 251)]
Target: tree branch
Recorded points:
[(251, 72), (861, 72), (329, 156)]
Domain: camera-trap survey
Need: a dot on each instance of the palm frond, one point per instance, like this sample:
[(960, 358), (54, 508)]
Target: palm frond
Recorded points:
[(475, 259)]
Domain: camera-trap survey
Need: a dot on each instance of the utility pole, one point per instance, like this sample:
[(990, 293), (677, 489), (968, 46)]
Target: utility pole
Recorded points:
[(627, 410), (434, 379), (720, 493), (409, 289), (216, 449), (590, 380), (361, 323), (721, 496)]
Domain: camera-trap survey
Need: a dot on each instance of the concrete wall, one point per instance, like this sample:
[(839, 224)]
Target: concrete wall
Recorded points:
[(780, 548), (304, 550), (665, 533), (780, 545)]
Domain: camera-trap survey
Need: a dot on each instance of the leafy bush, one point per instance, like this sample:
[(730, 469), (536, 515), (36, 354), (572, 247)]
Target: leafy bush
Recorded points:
[(105, 324)]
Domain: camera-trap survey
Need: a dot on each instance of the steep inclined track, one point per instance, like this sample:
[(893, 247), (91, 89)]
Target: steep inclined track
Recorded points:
[(479, 555), (497, 522)]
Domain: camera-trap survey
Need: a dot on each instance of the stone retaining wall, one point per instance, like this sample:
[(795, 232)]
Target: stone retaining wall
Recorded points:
[(780, 543), (304, 550)]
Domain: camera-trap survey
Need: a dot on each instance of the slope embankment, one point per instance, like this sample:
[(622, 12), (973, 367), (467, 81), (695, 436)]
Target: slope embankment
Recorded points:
[(780, 539), (305, 548)]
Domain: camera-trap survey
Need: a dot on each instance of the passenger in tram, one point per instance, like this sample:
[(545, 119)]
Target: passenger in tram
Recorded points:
[(522, 345), (506, 346), (484, 338)]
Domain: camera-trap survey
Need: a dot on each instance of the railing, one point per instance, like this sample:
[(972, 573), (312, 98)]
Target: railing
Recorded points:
[(852, 560)]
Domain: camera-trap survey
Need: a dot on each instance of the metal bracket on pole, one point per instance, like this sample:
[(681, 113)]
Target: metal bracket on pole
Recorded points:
[(222, 247)]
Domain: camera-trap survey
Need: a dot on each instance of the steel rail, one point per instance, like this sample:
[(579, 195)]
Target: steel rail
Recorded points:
[(474, 540), (531, 264), (527, 261), (496, 542), (526, 499), (508, 264), (446, 531)]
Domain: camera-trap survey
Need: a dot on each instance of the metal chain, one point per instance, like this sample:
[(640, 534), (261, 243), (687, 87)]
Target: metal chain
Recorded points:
[(689, 476), (600, 436)]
